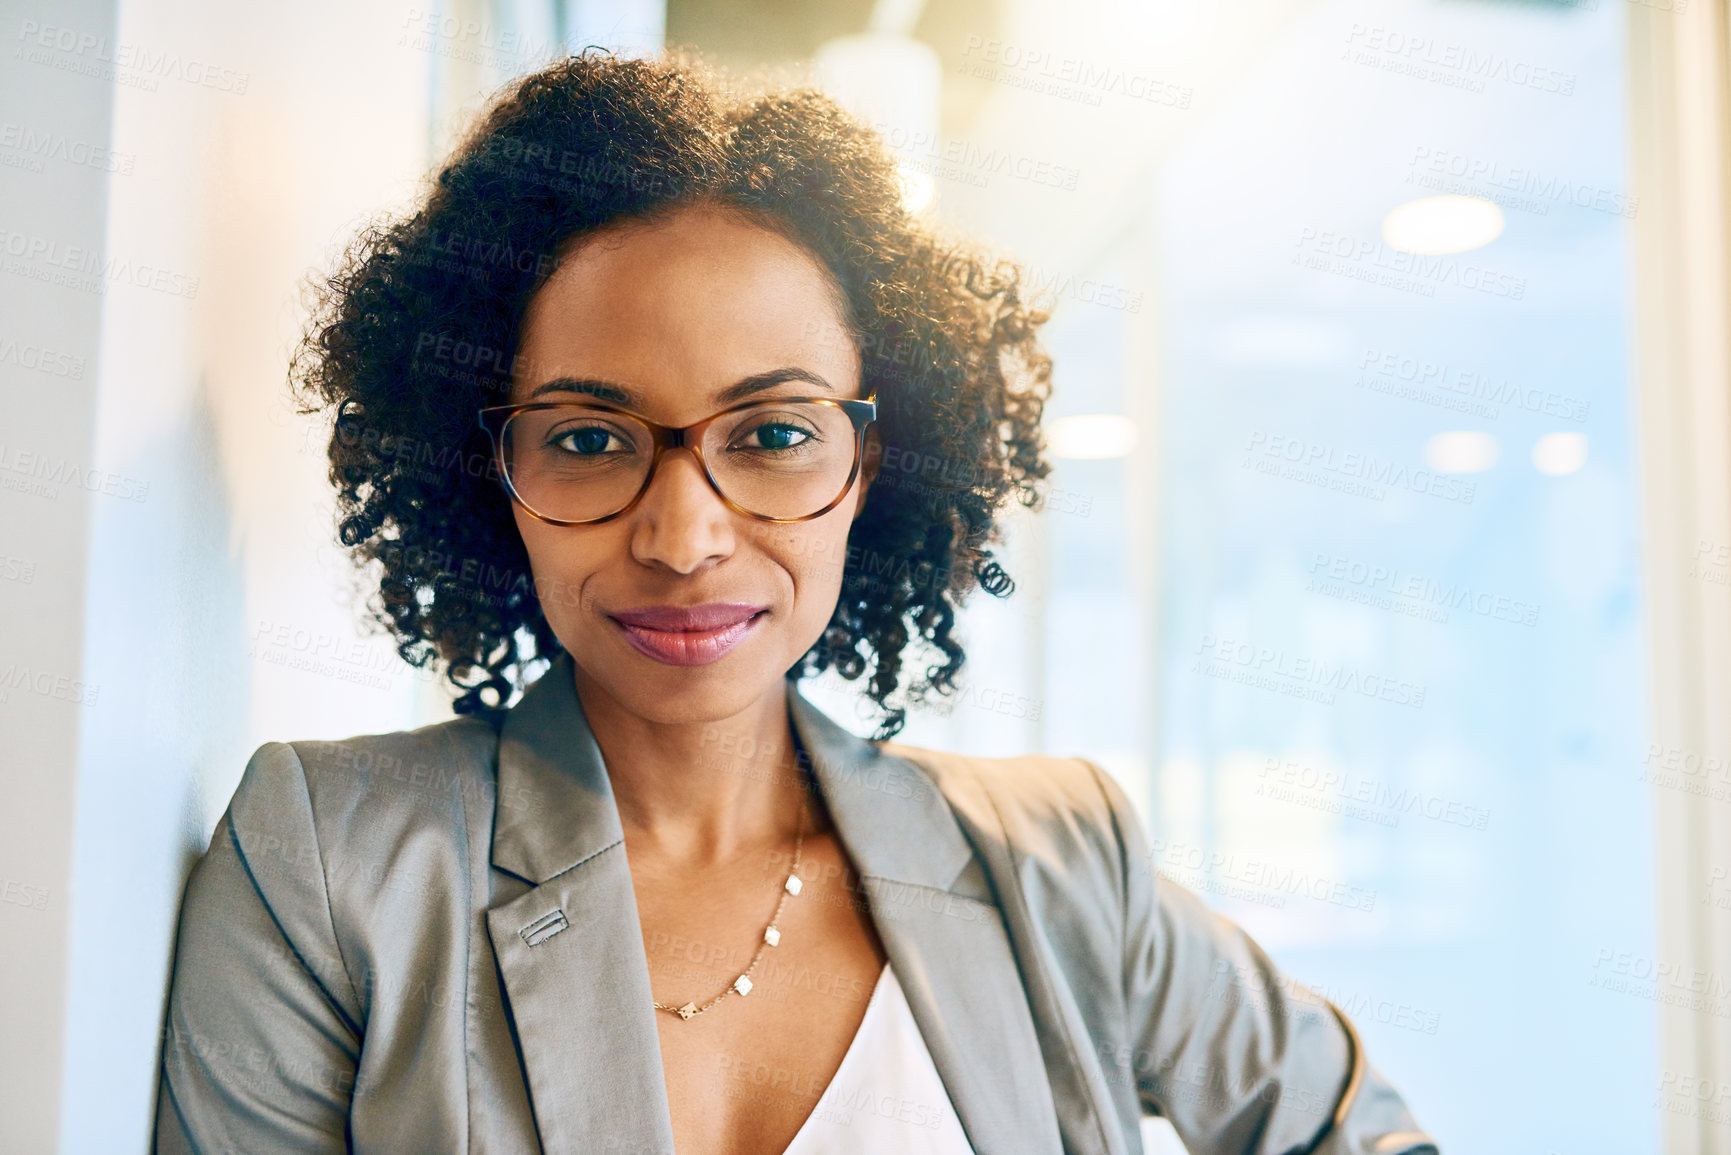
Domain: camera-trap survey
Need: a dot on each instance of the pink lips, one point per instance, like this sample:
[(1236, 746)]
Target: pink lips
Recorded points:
[(688, 635)]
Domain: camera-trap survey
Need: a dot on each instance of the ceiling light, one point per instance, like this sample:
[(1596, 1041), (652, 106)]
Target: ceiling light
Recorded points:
[(892, 83), (1558, 454), (1091, 435), (1448, 224)]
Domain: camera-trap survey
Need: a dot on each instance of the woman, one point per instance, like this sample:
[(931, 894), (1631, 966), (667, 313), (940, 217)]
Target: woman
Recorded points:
[(616, 401)]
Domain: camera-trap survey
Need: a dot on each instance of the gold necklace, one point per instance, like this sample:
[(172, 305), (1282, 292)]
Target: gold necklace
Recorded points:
[(771, 933)]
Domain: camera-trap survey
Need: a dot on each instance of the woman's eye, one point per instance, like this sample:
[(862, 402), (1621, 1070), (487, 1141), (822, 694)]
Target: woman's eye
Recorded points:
[(586, 441), (776, 435)]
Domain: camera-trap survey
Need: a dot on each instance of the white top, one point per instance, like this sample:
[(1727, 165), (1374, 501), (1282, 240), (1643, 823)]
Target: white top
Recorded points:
[(886, 1095)]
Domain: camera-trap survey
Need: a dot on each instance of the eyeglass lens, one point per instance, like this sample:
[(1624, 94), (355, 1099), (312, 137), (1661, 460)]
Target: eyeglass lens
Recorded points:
[(779, 459)]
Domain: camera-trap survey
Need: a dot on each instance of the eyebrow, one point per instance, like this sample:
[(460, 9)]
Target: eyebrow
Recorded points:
[(616, 394)]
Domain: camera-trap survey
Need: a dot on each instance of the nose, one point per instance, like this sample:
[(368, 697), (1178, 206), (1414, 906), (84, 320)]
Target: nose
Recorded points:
[(681, 523)]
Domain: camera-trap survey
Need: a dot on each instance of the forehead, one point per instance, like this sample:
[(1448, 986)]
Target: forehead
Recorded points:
[(678, 308)]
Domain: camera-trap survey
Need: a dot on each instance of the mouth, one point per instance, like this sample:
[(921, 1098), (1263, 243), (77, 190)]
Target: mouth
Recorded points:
[(688, 635)]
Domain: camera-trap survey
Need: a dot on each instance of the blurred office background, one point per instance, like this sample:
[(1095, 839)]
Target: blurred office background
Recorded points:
[(1386, 561)]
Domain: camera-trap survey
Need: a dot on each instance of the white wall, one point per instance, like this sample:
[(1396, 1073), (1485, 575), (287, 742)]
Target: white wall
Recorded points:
[(54, 214), (246, 140)]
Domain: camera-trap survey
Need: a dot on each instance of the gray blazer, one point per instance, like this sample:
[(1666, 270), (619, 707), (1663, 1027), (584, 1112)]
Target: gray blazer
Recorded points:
[(428, 941)]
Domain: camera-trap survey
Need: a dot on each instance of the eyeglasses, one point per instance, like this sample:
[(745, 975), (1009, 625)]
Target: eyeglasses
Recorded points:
[(784, 459)]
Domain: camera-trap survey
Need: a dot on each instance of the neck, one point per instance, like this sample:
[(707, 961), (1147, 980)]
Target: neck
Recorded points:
[(701, 792)]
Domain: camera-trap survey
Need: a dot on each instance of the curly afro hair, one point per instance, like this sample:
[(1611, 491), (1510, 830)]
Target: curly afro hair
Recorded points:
[(417, 329)]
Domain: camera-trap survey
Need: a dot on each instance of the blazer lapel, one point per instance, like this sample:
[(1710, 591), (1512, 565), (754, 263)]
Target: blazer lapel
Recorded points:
[(935, 913), (570, 950), (576, 979)]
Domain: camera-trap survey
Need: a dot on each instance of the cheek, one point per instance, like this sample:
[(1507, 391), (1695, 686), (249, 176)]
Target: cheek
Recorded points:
[(816, 554), (557, 562), (535, 543)]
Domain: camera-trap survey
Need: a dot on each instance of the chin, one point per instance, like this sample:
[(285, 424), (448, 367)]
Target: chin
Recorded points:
[(671, 695)]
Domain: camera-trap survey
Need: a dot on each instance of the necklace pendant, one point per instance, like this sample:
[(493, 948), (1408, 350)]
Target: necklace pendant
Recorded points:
[(771, 936), (742, 985), (688, 1010), (793, 884)]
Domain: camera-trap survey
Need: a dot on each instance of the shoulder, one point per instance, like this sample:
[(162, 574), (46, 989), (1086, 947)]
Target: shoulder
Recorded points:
[(1030, 794), (407, 770), (354, 800), (328, 849), (1065, 818)]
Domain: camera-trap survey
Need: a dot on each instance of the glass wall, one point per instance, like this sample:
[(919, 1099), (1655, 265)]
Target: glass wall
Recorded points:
[(1399, 686)]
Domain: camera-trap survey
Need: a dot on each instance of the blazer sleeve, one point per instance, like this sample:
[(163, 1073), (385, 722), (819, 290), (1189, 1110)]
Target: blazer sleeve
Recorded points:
[(1240, 1060), (262, 1032)]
